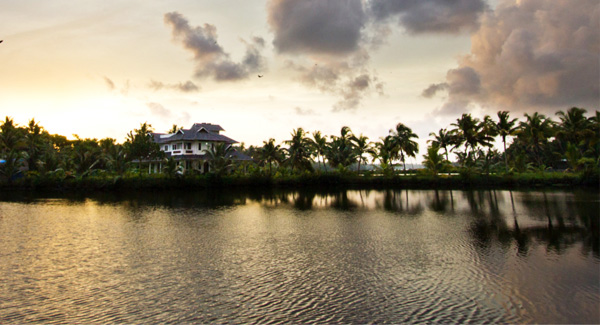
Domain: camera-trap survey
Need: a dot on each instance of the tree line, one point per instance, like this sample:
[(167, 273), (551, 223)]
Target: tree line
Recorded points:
[(535, 143)]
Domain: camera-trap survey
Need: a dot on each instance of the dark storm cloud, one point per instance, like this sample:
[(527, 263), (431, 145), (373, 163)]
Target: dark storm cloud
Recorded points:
[(186, 87), (211, 58), (316, 26), (531, 54), (423, 16)]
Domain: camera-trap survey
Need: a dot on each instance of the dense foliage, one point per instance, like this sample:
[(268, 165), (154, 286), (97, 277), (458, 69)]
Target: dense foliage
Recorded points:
[(535, 144)]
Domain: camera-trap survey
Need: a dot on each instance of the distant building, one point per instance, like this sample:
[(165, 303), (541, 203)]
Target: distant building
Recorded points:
[(189, 147)]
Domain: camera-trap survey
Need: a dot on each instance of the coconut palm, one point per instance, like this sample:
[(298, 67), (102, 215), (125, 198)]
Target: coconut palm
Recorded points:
[(33, 142), (534, 133), (385, 150), (442, 139), (341, 149), (320, 146), (472, 133), (573, 128), (140, 145), (406, 147), (362, 146), (84, 156), (220, 158), (299, 150), (505, 127), (174, 129), (270, 152), (10, 136), (434, 162)]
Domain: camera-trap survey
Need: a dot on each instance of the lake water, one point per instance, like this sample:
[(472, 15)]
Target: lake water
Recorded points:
[(272, 257)]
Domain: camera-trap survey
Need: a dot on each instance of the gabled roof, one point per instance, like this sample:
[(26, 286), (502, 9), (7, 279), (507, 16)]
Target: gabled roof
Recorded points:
[(198, 132), (207, 126)]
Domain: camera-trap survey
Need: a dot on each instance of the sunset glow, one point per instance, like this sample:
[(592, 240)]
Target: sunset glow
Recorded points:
[(262, 68)]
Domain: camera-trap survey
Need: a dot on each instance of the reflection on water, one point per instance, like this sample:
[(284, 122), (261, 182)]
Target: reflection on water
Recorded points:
[(301, 256)]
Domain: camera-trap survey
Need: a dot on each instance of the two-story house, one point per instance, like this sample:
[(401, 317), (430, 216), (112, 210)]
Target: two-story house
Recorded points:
[(190, 146)]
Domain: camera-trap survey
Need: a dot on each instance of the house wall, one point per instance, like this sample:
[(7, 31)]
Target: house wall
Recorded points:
[(187, 147)]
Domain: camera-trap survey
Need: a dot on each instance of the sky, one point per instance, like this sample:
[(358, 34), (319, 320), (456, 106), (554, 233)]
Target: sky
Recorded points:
[(100, 68)]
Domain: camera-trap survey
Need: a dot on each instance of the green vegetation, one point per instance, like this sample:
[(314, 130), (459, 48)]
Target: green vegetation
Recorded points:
[(537, 151)]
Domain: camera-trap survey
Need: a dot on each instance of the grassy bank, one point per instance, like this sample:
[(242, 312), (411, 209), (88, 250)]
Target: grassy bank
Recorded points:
[(325, 180)]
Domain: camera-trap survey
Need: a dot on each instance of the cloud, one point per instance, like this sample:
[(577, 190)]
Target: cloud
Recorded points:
[(433, 89), (109, 83), (349, 80), (303, 112), (165, 114), (530, 54), (316, 26), (426, 16), (354, 90), (325, 44), (159, 110), (186, 87), (125, 89), (211, 59), (329, 41)]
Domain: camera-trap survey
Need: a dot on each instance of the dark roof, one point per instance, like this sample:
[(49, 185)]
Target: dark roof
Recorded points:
[(207, 126), (198, 132)]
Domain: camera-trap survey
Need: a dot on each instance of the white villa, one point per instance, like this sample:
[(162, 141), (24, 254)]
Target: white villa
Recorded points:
[(189, 147)]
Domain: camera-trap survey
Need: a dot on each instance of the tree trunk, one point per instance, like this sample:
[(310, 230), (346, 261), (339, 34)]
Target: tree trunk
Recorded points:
[(505, 157)]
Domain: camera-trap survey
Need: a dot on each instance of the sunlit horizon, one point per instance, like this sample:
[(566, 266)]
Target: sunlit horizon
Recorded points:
[(101, 69)]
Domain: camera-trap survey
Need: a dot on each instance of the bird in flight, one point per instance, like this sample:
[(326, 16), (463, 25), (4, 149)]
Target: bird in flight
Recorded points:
[(1, 41), (260, 75)]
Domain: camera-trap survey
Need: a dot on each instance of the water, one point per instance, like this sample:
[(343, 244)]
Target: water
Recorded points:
[(340, 257)]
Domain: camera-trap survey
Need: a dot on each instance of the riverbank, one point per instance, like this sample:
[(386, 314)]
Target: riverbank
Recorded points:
[(324, 180)]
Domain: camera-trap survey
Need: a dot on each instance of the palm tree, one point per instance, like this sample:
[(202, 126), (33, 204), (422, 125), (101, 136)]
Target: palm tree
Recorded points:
[(341, 149), (270, 152), (33, 139), (472, 133), (434, 162), (320, 146), (385, 150), (140, 145), (442, 139), (220, 157), (174, 129), (10, 136), (505, 127), (574, 128), (362, 146), (85, 155), (299, 150), (114, 156), (534, 133), (404, 144)]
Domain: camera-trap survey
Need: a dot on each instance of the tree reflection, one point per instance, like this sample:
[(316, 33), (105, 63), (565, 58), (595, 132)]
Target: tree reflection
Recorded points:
[(438, 204), (557, 234), (395, 201), (518, 219)]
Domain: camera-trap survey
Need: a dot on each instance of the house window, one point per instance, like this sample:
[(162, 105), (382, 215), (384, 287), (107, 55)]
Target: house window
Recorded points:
[(188, 146), (167, 148), (174, 147), (200, 146)]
